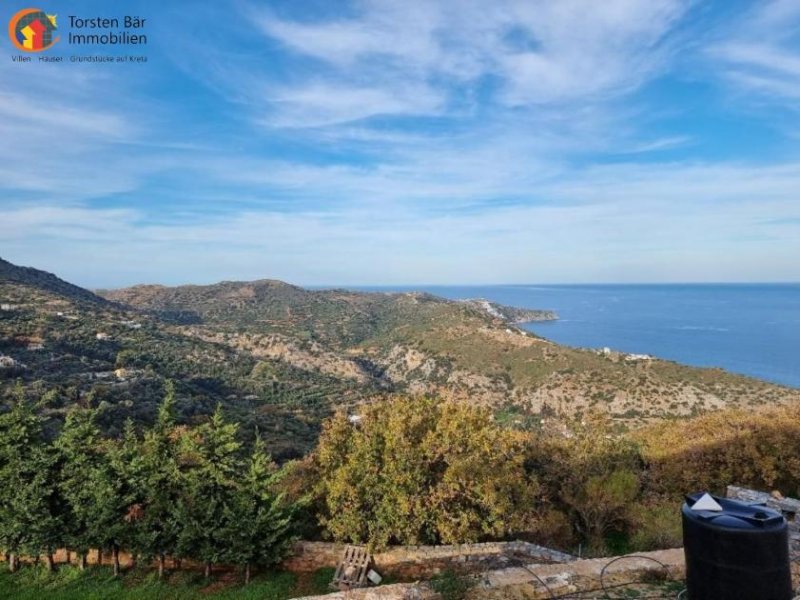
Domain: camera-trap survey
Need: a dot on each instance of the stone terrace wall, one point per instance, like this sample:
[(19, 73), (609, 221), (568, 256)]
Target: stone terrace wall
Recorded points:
[(310, 556), (578, 577), (789, 507), (426, 561), (519, 582), (413, 562)]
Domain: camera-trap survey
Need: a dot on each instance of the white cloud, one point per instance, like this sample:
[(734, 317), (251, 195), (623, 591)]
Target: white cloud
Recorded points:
[(663, 143), (760, 55), (78, 132), (695, 222), (447, 140), (60, 119), (57, 130), (539, 52), (583, 49), (319, 103)]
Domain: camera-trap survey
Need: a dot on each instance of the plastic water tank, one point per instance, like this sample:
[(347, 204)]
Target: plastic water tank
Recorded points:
[(735, 551)]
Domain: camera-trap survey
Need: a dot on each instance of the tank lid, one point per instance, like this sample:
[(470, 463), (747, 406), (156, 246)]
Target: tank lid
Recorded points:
[(730, 513), (706, 502)]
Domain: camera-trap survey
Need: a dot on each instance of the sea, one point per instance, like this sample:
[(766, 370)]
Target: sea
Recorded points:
[(752, 329)]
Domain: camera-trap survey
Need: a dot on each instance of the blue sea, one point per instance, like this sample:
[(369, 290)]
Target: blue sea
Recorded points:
[(752, 329)]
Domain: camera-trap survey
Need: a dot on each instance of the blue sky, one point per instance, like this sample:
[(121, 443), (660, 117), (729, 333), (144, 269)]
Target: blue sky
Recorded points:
[(385, 142)]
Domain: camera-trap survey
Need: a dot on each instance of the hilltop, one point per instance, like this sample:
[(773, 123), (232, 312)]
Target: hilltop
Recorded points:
[(42, 281), (282, 357), (339, 318), (425, 344)]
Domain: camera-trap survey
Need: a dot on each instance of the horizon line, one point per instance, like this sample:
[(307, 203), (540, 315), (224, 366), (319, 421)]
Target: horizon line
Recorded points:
[(334, 286)]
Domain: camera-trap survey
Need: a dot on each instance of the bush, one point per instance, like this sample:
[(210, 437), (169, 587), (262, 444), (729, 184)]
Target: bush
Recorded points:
[(423, 471), (753, 449), (554, 530), (656, 525), (591, 474)]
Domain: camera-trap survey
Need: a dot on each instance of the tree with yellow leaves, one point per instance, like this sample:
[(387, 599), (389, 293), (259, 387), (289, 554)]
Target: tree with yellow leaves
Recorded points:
[(422, 470)]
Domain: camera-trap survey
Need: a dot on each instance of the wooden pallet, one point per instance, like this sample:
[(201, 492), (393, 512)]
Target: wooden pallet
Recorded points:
[(352, 569)]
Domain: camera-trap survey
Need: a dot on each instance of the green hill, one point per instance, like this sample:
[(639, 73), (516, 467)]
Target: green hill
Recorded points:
[(282, 357), (424, 344), (41, 281)]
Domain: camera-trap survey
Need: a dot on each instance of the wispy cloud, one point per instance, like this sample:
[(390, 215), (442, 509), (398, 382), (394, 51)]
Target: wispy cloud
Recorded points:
[(532, 53), (663, 143), (619, 223), (326, 103), (761, 54), (441, 141)]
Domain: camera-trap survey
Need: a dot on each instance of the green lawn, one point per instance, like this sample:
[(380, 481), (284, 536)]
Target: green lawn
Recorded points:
[(97, 583)]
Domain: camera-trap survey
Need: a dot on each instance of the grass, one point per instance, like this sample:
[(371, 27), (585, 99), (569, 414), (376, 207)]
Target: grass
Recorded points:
[(452, 585), (97, 583)]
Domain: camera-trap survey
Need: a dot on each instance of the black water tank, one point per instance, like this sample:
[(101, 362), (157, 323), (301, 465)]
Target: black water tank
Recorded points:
[(738, 553)]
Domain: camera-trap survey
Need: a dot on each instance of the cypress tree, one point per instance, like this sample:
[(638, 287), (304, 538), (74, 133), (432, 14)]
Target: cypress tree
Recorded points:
[(95, 483), (259, 522), (30, 511), (211, 465), (127, 473), (158, 528), (79, 448)]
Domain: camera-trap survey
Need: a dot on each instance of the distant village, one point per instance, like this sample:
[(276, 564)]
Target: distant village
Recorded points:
[(35, 344)]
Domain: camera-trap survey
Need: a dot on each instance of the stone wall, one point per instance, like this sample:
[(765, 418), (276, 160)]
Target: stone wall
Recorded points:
[(580, 577), (537, 581), (789, 507), (412, 562), (310, 556)]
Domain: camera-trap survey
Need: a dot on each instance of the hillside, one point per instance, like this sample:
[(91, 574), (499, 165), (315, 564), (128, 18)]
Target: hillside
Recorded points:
[(511, 314), (339, 318), (424, 344), (282, 357), (42, 281), (74, 347)]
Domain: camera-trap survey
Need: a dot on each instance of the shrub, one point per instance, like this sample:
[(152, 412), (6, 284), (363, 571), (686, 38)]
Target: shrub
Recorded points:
[(591, 474), (418, 471), (656, 525), (748, 448)]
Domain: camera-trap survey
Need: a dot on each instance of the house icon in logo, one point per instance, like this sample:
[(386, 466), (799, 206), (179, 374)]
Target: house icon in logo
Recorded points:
[(32, 30)]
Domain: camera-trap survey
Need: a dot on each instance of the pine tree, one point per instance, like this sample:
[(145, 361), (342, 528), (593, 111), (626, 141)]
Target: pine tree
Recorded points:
[(157, 529), (30, 511), (79, 447), (127, 473), (211, 464), (14, 430), (259, 522), (111, 505), (39, 505)]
